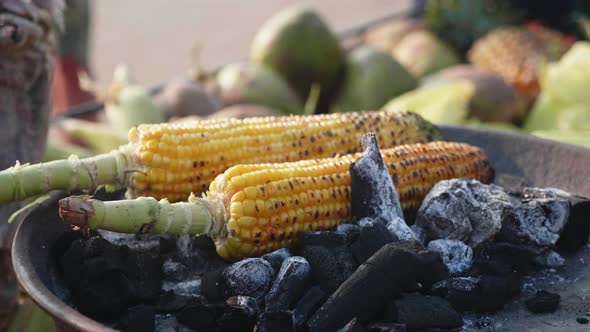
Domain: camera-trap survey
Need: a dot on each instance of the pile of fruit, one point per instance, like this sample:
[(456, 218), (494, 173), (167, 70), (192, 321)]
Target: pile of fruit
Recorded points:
[(525, 78)]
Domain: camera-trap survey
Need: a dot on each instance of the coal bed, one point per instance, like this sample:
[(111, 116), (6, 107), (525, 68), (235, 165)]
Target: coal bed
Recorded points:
[(473, 256)]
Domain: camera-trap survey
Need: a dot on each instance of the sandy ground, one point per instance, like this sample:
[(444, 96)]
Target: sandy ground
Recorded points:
[(155, 37)]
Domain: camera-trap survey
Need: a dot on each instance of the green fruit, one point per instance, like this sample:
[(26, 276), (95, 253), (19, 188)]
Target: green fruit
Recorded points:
[(243, 83), (298, 45), (440, 104), (423, 53), (385, 36), (494, 100), (372, 79), (133, 106), (544, 114)]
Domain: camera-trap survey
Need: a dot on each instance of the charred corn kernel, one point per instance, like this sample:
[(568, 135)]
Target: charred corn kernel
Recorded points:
[(205, 149), (315, 194)]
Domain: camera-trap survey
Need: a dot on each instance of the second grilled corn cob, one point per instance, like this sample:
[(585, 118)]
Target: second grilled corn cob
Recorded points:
[(172, 160), (254, 209)]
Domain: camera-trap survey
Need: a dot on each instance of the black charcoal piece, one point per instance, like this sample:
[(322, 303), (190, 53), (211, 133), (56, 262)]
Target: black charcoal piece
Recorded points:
[(289, 284), (420, 312), (141, 318), (462, 209), (200, 317), (575, 233), (456, 255), (106, 279), (537, 220), (386, 327), (396, 267), (323, 238), (275, 321), (478, 294), (351, 231), (374, 235), (236, 318), (243, 301), (174, 270), (170, 302), (582, 320), (543, 302), (250, 277), (211, 286), (503, 259), (372, 190), (307, 305), (277, 257), (353, 326), (330, 266)]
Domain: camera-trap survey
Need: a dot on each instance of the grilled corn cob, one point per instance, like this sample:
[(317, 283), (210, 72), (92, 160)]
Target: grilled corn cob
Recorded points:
[(172, 160), (254, 209), (516, 53)]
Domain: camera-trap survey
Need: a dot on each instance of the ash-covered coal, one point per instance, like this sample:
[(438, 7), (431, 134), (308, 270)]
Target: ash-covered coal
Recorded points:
[(307, 305), (277, 257), (456, 255), (464, 210), (373, 235), (291, 281), (250, 277), (329, 257)]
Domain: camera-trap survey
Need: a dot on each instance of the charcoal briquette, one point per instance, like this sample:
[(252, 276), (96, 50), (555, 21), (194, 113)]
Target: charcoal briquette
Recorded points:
[(277, 257), (543, 302), (418, 311), (250, 277), (291, 281), (273, 321), (307, 305)]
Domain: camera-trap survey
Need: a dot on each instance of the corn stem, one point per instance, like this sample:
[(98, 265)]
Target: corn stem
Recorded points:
[(23, 181), (199, 216)]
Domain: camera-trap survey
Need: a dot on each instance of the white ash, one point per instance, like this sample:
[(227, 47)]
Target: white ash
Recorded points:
[(184, 246), (537, 220), (190, 287), (456, 255), (168, 322), (550, 259), (464, 210), (142, 242)]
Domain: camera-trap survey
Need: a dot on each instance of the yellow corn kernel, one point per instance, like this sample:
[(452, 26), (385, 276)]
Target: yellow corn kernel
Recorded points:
[(315, 194), (204, 149)]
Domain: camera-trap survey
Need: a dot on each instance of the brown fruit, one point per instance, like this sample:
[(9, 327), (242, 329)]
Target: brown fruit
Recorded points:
[(494, 100), (183, 97)]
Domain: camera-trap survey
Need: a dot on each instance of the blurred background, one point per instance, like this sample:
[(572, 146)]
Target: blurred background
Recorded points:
[(155, 37)]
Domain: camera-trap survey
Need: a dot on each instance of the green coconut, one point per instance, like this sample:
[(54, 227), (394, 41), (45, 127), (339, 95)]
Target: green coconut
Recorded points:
[(372, 79), (422, 53), (493, 101), (298, 45), (244, 83)]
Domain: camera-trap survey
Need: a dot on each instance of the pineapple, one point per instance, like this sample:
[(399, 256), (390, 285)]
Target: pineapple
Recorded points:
[(516, 53)]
